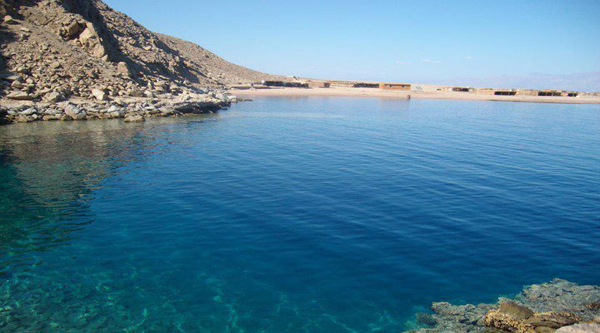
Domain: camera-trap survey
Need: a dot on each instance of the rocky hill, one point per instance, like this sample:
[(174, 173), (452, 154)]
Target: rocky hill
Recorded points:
[(51, 50)]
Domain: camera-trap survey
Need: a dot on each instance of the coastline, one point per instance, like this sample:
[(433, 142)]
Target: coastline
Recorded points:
[(431, 94), (131, 109)]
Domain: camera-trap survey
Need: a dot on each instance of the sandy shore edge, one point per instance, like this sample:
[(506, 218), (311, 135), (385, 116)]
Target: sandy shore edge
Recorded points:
[(365, 92)]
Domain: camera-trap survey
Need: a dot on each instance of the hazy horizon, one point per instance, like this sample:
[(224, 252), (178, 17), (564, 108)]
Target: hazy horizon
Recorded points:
[(538, 44)]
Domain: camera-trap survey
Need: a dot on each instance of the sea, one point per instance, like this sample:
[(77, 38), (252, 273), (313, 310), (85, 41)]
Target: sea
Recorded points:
[(303, 214)]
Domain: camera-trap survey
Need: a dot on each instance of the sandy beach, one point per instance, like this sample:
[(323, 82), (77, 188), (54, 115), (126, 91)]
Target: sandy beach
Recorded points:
[(428, 92)]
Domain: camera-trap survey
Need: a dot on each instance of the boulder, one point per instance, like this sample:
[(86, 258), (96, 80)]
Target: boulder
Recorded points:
[(74, 112), (122, 68), (134, 118), (515, 311), (19, 96), (28, 112), (53, 97), (71, 30), (8, 19), (136, 93), (516, 318), (17, 85), (99, 94), (11, 77)]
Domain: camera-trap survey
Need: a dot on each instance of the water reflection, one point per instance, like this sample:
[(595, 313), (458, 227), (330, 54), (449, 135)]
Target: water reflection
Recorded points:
[(48, 173)]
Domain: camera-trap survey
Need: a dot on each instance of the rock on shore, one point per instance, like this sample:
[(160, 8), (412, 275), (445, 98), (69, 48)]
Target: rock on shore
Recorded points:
[(131, 109), (558, 306)]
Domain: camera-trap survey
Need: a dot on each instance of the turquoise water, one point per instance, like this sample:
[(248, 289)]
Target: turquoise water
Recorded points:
[(293, 215)]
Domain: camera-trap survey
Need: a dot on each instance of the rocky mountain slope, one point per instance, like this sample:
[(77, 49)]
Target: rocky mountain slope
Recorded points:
[(52, 50)]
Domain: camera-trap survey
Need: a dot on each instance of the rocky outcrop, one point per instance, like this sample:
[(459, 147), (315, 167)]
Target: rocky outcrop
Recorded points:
[(131, 109), (56, 50), (512, 317), (557, 306)]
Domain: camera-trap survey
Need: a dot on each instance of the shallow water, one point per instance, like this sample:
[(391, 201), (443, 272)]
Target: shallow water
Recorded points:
[(294, 214)]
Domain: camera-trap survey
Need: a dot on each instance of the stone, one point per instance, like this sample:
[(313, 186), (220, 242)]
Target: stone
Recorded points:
[(122, 68), (98, 50), (72, 30), (88, 34), (580, 328), (53, 97), (52, 112), (55, 65), (99, 94), (24, 119), (28, 112), (134, 118), (11, 77), (9, 19), (19, 96), (136, 93), (515, 311), (49, 117), (73, 111)]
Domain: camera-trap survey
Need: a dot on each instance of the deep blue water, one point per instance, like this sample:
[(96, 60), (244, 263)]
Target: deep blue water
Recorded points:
[(294, 214)]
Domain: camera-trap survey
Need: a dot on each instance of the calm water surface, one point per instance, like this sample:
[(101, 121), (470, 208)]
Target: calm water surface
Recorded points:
[(293, 215)]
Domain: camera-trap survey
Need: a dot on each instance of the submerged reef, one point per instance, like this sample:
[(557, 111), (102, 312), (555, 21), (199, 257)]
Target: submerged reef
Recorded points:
[(558, 306)]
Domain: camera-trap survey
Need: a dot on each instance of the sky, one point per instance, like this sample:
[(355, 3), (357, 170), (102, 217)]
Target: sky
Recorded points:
[(421, 41)]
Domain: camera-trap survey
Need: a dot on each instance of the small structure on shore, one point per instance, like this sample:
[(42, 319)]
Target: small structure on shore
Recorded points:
[(497, 92), (550, 93), (459, 89), (319, 84), (395, 86), (365, 85), (285, 84)]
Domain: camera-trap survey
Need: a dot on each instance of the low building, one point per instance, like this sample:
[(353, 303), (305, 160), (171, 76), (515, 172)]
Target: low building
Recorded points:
[(319, 84), (550, 93), (461, 89), (497, 92), (342, 84), (505, 92), (527, 92), (285, 84), (365, 85), (395, 86)]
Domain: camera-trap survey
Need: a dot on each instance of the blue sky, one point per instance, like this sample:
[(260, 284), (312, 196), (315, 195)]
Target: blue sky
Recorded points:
[(393, 40)]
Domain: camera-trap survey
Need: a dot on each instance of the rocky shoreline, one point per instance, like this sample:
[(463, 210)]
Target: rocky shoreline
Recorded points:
[(131, 109), (558, 306)]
